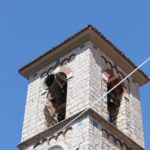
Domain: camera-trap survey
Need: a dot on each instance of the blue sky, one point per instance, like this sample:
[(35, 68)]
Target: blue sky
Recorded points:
[(29, 28)]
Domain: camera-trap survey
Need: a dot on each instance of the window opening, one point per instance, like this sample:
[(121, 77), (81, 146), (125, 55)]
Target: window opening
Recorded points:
[(55, 110), (113, 100)]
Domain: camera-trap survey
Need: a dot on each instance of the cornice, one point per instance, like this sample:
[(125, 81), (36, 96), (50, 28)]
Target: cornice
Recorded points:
[(46, 134), (89, 33)]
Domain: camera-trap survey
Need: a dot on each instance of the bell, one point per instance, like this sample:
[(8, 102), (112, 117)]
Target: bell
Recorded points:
[(111, 100), (51, 83)]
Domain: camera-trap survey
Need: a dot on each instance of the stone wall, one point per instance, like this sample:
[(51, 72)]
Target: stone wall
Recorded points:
[(76, 138), (89, 132), (77, 90), (136, 125), (129, 119), (86, 86)]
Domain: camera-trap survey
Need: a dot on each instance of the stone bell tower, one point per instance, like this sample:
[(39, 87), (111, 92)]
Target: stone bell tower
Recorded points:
[(68, 79)]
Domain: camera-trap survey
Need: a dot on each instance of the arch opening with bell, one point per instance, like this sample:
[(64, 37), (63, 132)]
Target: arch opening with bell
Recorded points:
[(114, 97), (56, 86)]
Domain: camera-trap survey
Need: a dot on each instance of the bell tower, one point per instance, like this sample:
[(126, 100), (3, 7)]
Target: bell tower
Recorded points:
[(66, 80)]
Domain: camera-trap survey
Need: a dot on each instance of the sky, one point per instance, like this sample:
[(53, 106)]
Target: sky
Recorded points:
[(28, 28)]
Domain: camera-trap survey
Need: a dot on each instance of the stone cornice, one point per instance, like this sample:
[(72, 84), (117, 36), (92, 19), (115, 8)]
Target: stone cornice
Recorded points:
[(87, 34), (43, 136), (46, 133), (114, 131)]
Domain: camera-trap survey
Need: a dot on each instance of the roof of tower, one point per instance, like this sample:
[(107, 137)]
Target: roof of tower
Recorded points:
[(92, 34)]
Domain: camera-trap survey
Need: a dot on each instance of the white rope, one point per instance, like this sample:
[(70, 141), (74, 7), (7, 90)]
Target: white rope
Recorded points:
[(103, 96)]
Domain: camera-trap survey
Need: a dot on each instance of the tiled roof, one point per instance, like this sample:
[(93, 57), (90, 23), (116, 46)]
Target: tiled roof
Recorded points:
[(89, 27)]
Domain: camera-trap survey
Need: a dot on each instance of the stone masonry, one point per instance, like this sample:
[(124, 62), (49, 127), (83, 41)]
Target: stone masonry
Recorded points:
[(87, 84)]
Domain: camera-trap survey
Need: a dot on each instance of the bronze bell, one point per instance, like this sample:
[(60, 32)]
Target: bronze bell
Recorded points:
[(54, 86)]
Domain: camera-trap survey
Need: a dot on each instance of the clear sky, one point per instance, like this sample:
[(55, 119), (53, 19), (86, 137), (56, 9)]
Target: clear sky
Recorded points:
[(30, 27)]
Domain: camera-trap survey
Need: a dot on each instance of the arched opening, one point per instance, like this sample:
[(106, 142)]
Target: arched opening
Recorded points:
[(114, 100), (56, 147), (55, 109)]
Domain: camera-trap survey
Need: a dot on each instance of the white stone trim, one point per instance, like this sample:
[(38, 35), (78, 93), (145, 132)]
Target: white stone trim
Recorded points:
[(65, 70), (126, 95), (105, 77)]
